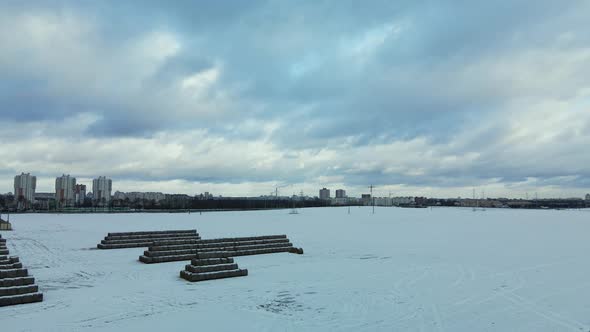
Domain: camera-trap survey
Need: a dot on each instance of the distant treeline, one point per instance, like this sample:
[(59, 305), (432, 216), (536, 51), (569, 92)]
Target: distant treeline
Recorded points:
[(171, 203), (179, 202), (557, 203), (225, 204)]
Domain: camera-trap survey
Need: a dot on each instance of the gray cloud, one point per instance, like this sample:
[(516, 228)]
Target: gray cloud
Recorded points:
[(435, 94)]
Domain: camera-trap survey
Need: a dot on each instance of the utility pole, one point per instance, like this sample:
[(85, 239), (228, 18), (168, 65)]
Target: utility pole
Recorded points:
[(372, 198), (276, 193)]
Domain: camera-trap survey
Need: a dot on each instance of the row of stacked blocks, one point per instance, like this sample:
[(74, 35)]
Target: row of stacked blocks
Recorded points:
[(161, 252), (212, 265), (210, 258), (146, 239), (16, 286)]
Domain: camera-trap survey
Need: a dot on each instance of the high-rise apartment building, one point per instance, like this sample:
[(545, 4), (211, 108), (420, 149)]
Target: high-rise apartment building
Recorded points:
[(340, 193), (101, 190), (65, 186), (24, 190), (79, 194), (324, 193)]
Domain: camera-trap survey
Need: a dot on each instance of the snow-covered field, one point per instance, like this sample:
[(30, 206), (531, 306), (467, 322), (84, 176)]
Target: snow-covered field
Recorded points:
[(442, 269)]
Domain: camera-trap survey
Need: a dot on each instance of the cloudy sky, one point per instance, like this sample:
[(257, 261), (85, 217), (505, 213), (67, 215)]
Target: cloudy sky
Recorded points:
[(235, 97)]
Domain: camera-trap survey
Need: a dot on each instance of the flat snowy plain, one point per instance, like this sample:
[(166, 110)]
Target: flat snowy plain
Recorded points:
[(441, 269)]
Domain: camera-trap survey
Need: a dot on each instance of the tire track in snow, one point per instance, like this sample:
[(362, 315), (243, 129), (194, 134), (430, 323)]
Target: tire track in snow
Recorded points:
[(544, 313), (459, 281), (468, 304), (437, 319)]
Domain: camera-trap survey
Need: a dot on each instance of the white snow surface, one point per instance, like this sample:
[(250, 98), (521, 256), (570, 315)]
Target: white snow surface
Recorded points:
[(441, 269)]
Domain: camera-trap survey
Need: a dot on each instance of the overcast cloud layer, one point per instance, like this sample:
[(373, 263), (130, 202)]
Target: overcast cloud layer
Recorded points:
[(417, 97)]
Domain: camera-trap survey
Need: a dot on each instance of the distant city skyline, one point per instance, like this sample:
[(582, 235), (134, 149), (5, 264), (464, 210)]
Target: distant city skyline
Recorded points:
[(332, 192), (428, 99)]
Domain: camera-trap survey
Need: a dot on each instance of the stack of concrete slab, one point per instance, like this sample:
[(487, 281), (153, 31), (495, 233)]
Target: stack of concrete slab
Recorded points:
[(146, 239), (161, 252), (16, 286), (212, 265)]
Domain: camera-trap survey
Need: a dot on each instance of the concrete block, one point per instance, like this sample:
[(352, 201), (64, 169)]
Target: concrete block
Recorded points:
[(153, 232), (260, 251), (21, 299), (170, 253), (21, 281), (8, 259), (177, 241), (208, 244), (121, 246), (17, 290), (136, 243), (251, 238), (227, 246), (211, 268), (193, 277), (150, 236), (13, 273), (173, 247), (211, 261), (149, 240), (212, 254), (294, 250), (11, 266), (164, 259), (145, 259)]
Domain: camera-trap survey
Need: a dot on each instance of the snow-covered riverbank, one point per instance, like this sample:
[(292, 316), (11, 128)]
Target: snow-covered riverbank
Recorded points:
[(442, 269)]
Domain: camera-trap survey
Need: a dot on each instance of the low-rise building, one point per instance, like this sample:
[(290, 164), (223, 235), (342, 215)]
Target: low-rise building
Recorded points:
[(341, 201), (403, 201), (383, 201), (140, 196), (44, 201)]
